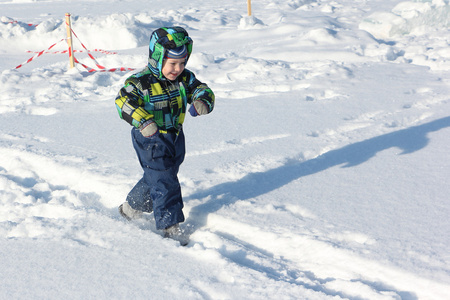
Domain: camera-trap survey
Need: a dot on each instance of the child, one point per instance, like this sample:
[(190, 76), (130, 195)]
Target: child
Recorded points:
[(154, 101)]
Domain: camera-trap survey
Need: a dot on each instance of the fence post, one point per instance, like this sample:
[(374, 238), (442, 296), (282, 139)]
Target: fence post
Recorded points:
[(249, 7), (69, 40)]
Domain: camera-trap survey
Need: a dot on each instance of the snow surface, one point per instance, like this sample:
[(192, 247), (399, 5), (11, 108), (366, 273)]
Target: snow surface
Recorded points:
[(322, 172)]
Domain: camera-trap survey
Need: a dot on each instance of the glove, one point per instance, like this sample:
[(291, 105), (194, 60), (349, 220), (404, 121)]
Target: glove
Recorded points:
[(148, 128), (197, 108)]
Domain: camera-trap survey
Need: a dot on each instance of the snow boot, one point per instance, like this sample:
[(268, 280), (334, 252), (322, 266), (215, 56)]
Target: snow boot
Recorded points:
[(175, 233), (129, 213)]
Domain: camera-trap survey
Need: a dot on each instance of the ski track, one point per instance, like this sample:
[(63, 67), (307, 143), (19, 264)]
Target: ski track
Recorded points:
[(236, 145), (272, 255)]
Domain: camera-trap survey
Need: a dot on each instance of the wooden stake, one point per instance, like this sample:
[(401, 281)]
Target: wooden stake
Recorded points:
[(249, 7), (69, 40)]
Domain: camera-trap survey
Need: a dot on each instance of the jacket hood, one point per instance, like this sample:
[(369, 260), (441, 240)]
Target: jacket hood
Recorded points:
[(163, 39)]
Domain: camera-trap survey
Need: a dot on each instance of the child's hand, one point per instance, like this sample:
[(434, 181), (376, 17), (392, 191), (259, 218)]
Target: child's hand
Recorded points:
[(198, 108), (148, 128)]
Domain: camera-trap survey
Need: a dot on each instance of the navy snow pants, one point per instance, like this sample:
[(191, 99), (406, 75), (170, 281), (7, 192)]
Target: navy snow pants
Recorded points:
[(159, 189)]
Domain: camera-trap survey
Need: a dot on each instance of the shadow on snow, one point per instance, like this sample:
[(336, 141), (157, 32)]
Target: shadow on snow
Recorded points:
[(255, 184)]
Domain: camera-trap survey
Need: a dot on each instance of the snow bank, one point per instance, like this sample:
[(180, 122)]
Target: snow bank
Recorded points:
[(409, 23), (409, 18)]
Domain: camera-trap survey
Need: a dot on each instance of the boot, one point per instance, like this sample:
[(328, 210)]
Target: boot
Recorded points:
[(175, 233), (128, 212)]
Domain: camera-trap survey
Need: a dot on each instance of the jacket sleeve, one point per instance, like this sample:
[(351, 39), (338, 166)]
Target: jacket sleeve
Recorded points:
[(198, 90), (130, 104)]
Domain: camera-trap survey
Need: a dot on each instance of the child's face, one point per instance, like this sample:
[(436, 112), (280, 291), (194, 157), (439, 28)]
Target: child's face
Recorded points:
[(172, 68)]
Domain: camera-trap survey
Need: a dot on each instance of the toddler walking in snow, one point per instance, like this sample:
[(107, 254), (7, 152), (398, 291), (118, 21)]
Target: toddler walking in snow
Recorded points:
[(154, 101)]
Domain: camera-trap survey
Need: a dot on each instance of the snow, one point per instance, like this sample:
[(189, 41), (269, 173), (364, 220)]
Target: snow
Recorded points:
[(322, 173)]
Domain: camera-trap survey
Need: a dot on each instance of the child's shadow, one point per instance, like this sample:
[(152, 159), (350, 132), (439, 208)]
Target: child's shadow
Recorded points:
[(255, 184)]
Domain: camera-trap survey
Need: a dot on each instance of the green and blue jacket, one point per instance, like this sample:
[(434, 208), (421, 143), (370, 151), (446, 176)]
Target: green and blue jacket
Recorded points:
[(148, 95), (145, 97)]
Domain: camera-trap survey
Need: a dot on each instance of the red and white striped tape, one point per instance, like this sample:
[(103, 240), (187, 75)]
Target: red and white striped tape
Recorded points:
[(16, 22), (38, 54), (102, 68), (74, 51), (88, 52), (70, 51), (90, 70)]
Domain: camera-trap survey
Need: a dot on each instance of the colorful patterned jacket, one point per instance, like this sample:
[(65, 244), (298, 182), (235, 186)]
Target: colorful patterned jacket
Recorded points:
[(148, 95)]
